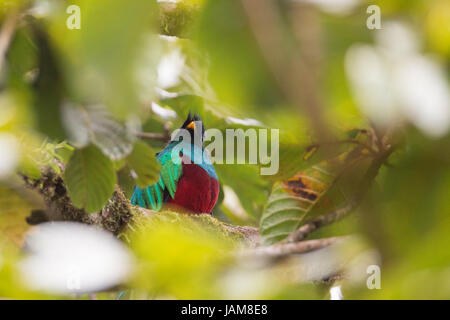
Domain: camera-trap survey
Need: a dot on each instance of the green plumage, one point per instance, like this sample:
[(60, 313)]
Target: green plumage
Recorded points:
[(153, 195)]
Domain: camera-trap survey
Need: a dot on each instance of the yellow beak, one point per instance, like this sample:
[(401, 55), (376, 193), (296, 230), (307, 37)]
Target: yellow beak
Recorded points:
[(191, 125)]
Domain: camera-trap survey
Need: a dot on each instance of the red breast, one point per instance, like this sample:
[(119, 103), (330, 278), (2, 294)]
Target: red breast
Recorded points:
[(196, 190)]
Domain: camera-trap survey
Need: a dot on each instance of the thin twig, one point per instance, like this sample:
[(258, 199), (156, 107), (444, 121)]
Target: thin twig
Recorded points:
[(153, 136), (284, 249), (321, 221), (165, 136)]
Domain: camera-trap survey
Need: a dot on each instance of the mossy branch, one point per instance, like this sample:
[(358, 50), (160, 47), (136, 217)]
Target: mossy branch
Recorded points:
[(119, 215), (113, 217)]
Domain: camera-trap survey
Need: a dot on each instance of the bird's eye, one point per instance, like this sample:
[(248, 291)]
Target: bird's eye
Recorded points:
[(191, 125)]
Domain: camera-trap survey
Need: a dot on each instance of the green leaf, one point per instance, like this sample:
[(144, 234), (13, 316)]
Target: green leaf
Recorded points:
[(90, 178), (143, 161), (96, 125), (291, 200), (313, 191)]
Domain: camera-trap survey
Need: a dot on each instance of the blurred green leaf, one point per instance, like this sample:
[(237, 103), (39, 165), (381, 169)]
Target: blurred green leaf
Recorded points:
[(181, 256), (238, 72), (96, 125), (407, 218), (12, 285), (247, 183), (182, 104), (90, 178), (100, 57), (49, 87), (143, 161), (125, 181), (22, 59)]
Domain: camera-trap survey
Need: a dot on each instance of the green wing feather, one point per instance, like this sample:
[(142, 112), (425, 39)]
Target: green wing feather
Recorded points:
[(153, 195)]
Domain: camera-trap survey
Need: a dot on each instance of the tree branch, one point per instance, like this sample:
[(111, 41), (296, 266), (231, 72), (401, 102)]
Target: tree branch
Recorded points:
[(165, 136), (153, 136), (113, 217), (284, 249)]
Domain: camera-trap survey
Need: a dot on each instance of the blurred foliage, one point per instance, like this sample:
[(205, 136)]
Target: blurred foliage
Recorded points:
[(74, 100), (177, 19), (14, 211), (409, 223), (11, 285), (146, 172), (103, 70), (224, 33), (205, 250)]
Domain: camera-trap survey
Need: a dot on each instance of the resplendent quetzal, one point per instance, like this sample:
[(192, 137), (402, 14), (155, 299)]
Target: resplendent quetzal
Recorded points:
[(187, 180)]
